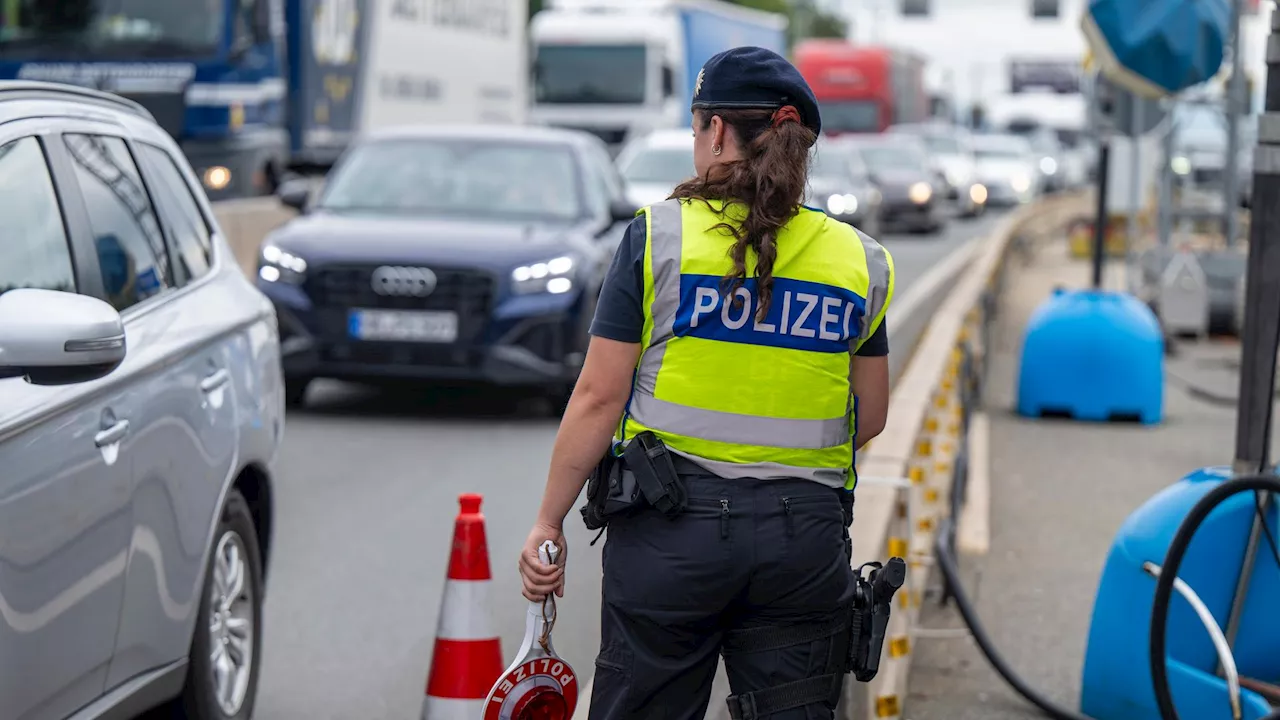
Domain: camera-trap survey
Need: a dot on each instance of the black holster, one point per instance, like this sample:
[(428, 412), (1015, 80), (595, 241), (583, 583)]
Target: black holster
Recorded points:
[(645, 476)]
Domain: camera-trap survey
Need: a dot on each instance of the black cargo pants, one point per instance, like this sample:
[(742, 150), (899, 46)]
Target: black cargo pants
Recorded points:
[(745, 554)]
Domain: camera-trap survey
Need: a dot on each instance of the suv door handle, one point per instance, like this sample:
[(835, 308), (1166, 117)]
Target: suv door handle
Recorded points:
[(215, 380), (112, 435)]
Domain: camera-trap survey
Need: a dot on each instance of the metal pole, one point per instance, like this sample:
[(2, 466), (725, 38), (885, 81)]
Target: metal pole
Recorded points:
[(1135, 192), (1235, 87), (1260, 339), (1165, 210), (1100, 229)]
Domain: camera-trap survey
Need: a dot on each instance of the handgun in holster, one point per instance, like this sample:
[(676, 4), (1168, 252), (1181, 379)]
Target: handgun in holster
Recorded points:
[(869, 616)]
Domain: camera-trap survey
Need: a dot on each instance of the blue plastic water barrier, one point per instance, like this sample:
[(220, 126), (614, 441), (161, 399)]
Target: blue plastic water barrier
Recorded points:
[(1158, 47), (1092, 355), (1117, 673)]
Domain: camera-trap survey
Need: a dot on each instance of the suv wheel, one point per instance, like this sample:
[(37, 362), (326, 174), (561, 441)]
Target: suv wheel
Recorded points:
[(222, 674)]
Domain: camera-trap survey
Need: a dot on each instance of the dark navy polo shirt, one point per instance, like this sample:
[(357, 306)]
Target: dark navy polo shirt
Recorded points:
[(620, 312)]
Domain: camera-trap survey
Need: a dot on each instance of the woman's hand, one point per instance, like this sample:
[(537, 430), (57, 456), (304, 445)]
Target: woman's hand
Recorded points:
[(539, 579)]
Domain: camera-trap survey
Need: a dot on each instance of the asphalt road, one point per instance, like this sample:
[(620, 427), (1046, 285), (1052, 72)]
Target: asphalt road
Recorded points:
[(367, 494)]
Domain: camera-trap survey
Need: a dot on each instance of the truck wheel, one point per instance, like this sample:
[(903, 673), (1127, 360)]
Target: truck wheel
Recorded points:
[(222, 673)]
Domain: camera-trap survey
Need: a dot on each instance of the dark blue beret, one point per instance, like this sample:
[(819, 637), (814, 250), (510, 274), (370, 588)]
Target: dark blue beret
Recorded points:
[(753, 77)]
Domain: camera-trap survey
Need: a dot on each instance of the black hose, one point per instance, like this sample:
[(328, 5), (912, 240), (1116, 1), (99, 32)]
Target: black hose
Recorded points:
[(947, 562), (1169, 571)]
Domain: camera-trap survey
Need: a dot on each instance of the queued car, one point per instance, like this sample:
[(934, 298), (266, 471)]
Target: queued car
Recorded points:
[(953, 160), (840, 185), (899, 167), (1008, 167), (1050, 159), (447, 254), (654, 164), (141, 410)]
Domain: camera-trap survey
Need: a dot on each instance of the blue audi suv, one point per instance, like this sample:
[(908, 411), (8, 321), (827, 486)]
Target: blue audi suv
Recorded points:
[(446, 254)]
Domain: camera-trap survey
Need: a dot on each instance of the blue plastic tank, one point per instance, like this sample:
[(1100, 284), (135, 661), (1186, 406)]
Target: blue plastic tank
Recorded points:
[(1092, 355), (1117, 681)]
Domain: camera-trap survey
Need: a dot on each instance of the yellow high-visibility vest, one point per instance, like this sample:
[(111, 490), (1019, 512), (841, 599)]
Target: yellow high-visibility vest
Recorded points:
[(744, 397)]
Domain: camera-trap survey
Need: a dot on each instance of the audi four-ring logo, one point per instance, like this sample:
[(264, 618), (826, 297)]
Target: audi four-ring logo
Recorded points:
[(411, 281)]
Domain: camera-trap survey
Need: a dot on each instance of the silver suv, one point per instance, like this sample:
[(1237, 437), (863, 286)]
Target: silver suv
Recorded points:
[(141, 407)]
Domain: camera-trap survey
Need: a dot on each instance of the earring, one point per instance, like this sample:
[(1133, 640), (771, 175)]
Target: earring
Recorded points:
[(715, 149)]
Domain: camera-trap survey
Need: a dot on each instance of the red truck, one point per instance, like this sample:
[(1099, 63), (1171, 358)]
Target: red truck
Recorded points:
[(863, 89)]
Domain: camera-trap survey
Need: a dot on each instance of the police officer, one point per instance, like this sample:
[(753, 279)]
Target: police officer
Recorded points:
[(740, 338)]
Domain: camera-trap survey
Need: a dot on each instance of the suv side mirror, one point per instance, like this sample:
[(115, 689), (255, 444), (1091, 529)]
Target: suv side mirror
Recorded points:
[(622, 210), (58, 338), (295, 194)]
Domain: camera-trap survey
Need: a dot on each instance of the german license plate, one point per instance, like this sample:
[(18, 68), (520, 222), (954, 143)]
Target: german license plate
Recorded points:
[(403, 325)]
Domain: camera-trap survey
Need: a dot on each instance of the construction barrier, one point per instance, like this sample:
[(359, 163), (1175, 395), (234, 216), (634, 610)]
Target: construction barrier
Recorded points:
[(915, 472)]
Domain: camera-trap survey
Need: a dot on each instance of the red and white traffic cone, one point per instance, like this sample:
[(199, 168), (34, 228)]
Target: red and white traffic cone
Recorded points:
[(467, 659)]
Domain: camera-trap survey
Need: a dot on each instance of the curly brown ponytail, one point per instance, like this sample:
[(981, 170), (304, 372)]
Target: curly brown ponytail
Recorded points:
[(769, 179)]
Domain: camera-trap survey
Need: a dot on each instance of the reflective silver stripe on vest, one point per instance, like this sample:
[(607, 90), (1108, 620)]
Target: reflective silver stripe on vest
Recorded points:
[(666, 238), (831, 477), (730, 427), (878, 289)]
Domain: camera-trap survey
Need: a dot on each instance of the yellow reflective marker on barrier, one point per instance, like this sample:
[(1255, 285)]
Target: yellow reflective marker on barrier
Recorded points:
[(931, 424), (931, 495), (924, 448), (899, 646), (925, 524), (897, 547), (917, 475), (887, 706)]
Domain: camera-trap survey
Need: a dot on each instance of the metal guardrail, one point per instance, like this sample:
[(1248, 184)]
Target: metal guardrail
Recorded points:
[(917, 471)]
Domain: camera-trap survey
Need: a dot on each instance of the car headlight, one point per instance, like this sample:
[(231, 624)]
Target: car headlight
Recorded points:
[(277, 265), (920, 193), (843, 204), (978, 193), (554, 276), (1180, 165), (1048, 165), (1020, 183)]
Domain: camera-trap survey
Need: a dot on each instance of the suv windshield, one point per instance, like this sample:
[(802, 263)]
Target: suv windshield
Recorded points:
[(893, 157), (669, 166), (589, 74), (108, 29), (830, 162), (943, 145), (1001, 149), (457, 177)]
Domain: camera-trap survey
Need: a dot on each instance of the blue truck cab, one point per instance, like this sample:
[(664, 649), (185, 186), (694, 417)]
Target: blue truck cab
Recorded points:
[(248, 88)]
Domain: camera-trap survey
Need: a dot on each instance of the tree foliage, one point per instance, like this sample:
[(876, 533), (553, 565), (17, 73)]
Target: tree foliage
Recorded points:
[(805, 19)]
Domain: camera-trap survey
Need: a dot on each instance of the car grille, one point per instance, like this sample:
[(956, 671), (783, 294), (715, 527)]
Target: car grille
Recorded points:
[(335, 289)]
